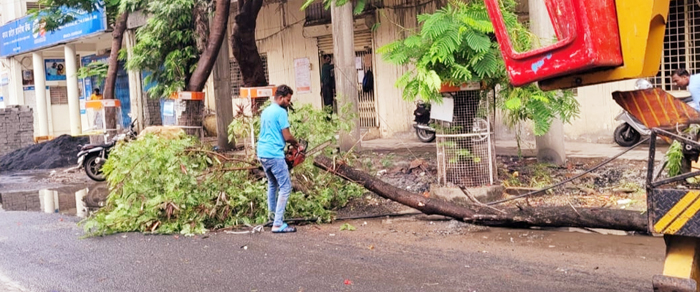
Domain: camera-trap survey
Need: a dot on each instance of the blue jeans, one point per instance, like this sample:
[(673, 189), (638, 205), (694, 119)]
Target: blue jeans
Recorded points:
[(277, 180)]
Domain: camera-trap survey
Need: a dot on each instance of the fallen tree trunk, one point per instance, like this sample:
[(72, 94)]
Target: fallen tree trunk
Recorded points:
[(428, 206), (526, 217), (568, 217)]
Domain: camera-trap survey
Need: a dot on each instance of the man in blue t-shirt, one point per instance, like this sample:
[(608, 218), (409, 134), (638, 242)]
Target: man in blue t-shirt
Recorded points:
[(274, 132), (683, 79)]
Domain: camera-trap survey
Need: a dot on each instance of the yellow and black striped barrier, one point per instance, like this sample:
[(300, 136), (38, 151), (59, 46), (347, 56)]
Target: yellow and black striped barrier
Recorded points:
[(675, 212)]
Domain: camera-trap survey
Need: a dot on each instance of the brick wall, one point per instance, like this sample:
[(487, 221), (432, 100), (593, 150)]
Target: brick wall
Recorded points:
[(16, 128), (21, 201)]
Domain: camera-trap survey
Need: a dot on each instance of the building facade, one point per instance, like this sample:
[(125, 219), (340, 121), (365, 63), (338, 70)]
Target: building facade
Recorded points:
[(32, 58), (285, 33)]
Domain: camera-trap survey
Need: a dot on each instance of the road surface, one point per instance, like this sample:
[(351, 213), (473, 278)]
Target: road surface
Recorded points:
[(44, 252)]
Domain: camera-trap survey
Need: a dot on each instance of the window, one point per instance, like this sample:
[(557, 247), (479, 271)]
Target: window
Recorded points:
[(681, 38), (237, 79), (59, 95)]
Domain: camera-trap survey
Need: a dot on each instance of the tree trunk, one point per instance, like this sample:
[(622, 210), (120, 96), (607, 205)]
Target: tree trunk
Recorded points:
[(569, 217), (111, 80), (208, 57), (428, 206), (245, 50), (194, 109), (538, 216), (117, 37)]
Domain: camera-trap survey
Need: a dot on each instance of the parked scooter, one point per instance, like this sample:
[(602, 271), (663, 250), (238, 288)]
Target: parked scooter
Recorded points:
[(426, 133), (630, 131), (93, 156)]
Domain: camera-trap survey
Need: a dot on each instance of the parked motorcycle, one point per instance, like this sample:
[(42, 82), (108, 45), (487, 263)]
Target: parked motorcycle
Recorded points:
[(93, 156), (426, 133)]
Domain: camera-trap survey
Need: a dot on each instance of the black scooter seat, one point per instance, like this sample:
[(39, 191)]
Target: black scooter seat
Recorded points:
[(91, 146)]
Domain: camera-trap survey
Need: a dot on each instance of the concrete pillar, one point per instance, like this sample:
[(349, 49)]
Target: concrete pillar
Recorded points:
[(76, 128), (345, 72), (550, 147), (40, 93), (12, 9), (135, 86), (15, 87)]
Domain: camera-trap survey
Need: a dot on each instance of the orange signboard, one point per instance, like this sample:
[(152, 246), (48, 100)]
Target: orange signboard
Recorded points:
[(258, 92), (98, 104), (188, 95)]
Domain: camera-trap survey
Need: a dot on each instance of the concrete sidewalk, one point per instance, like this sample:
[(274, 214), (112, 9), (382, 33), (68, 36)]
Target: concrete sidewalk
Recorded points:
[(573, 149)]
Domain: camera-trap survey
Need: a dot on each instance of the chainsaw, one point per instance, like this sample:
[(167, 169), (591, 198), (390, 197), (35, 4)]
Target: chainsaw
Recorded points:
[(296, 155)]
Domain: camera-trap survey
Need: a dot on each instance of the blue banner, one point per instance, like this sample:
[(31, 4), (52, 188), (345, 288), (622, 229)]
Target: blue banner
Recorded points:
[(21, 36)]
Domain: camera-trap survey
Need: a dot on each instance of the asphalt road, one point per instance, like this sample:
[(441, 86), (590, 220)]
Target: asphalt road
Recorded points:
[(44, 252)]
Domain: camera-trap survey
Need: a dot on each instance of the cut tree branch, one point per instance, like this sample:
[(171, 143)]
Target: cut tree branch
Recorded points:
[(526, 217)]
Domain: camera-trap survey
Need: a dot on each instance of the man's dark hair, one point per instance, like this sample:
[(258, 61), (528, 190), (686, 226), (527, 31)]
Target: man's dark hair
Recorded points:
[(97, 91), (327, 57), (681, 72), (283, 90)]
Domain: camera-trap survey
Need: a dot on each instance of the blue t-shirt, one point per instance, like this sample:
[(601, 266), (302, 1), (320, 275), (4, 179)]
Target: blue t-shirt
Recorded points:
[(694, 88), (271, 142)]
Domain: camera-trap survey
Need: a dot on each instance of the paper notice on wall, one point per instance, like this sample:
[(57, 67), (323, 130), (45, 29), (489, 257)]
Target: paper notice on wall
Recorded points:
[(169, 108), (302, 74), (444, 111), (358, 63)]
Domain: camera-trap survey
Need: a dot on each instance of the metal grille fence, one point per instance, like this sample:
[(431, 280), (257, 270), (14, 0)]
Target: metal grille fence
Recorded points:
[(681, 38), (465, 149), (367, 106)]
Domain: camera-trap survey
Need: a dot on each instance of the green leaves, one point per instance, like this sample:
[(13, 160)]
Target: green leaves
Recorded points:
[(358, 9), (180, 186), (166, 46), (453, 46), (97, 69), (530, 103), (674, 156), (456, 45)]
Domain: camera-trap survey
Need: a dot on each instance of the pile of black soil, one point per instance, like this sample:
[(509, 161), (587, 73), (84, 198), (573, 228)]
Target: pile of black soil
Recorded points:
[(59, 152)]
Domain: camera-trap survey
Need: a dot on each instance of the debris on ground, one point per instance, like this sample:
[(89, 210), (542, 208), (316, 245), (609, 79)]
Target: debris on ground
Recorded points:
[(619, 184), (59, 152)]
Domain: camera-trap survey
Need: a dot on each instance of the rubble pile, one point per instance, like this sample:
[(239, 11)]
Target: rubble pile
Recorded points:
[(59, 152)]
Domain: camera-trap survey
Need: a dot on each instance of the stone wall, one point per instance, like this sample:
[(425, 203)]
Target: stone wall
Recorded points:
[(16, 128), (20, 201), (152, 111)]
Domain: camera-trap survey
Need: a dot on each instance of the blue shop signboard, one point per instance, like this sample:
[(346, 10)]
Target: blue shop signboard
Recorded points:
[(21, 36)]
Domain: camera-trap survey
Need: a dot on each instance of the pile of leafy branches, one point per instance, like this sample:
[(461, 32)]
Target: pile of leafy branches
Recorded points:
[(179, 186), (455, 45)]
